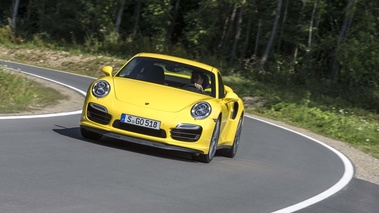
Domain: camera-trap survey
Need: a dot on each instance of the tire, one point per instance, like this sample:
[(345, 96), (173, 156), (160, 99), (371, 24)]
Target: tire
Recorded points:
[(206, 158), (233, 150), (89, 134)]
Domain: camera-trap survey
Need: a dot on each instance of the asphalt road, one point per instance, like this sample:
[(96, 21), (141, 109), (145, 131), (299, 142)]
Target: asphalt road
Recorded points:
[(46, 166)]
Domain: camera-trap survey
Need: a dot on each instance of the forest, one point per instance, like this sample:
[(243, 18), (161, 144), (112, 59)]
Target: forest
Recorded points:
[(332, 46)]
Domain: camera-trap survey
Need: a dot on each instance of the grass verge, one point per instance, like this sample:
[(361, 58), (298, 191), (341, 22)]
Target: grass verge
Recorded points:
[(303, 107), (20, 94)]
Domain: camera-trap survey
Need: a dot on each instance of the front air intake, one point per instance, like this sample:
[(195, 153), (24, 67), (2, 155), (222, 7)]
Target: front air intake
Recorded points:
[(186, 133), (98, 114)]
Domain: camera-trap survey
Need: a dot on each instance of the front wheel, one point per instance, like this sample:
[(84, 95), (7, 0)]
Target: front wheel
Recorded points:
[(206, 158), (89, 134), (233, 150)]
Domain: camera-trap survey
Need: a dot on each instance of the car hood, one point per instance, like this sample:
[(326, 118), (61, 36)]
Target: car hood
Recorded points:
[(154, 96)]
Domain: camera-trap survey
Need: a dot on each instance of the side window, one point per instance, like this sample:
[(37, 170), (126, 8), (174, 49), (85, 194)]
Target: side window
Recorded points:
[(129, 67), (221, 88)]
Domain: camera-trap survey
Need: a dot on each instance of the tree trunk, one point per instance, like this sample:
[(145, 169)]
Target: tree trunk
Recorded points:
[(310, 35), (29, 11), (349, 13), (228, 27), (170, 30), (237, 35), (257, 39), (119, 16), (283, 24), (137, 15), (223, 32), (247, 38), (273, 33), (295, 50), (14, 15)]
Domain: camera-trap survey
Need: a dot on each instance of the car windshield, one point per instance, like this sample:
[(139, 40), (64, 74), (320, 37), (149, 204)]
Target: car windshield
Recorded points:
[(170, 73)]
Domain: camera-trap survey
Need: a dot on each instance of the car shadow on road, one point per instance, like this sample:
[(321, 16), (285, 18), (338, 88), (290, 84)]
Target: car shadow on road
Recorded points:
[(74, 132)]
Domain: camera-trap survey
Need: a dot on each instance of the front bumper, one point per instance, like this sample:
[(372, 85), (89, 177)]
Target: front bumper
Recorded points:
[(141, 141), (192, 136)]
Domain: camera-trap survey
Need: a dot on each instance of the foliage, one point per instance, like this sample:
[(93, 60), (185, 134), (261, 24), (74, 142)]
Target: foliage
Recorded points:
[(360, 131), (310, 39), (309, 108)]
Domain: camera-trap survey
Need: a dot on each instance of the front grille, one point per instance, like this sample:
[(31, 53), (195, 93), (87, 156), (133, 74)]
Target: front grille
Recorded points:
[(138, 129), (188, 135), (98, 116)]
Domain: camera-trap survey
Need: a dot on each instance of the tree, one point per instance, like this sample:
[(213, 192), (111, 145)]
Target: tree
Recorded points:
[(273, 33), (228, 25), (349, 13), (175, 12), (119, 16), (237, 35), (359, 53), (283, 24), (14, 14), (137, 15)]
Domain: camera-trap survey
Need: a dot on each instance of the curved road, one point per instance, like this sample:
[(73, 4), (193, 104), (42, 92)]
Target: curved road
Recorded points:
[(46, 166)]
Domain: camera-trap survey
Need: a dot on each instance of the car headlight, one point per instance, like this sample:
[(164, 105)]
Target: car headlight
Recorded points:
[(101, 89), (201, 110)]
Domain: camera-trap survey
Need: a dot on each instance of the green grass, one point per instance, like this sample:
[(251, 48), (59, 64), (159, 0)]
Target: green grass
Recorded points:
[(307, 108), (20, 94)]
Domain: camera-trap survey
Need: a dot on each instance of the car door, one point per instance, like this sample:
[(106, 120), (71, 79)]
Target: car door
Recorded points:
[(225, 107)]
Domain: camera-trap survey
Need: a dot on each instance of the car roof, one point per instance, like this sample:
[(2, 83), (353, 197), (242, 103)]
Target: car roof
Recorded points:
[(178, 59)]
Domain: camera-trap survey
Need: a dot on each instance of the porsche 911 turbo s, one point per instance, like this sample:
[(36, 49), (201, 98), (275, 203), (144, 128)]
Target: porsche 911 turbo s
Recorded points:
[(166, 102)]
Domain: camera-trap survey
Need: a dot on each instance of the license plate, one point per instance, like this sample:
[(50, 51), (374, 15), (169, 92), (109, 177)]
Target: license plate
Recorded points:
[(138, 121)]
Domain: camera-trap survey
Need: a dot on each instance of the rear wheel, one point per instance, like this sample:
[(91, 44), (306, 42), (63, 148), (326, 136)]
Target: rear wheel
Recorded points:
[(233, 150), (206, 158), (89, 134)]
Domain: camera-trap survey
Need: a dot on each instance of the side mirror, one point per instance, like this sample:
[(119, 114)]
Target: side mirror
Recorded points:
[(227, 89), (107, 70), (231, 96)]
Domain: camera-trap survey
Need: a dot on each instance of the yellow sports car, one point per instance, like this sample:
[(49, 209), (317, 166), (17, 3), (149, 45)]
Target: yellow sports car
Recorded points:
[(166, 102)]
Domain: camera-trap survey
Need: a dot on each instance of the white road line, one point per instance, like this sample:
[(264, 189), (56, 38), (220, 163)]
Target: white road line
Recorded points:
[(345, 179), (17, 70), (40, 116)]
